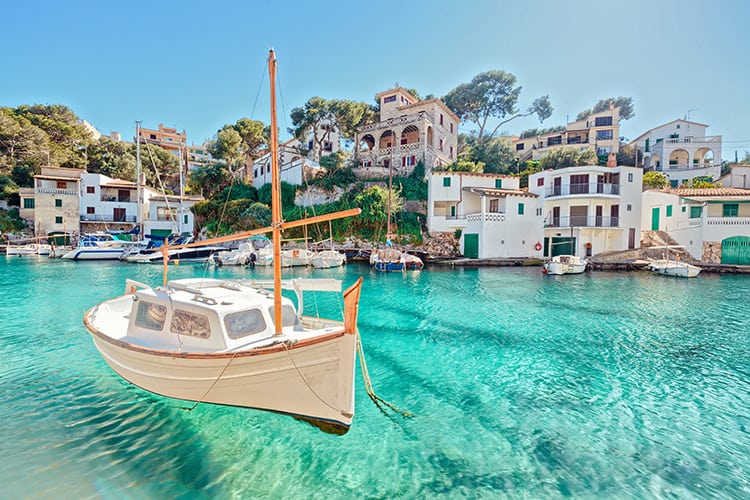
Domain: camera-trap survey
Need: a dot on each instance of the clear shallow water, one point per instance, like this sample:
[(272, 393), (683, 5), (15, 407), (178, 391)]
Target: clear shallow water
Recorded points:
[(617, 385)]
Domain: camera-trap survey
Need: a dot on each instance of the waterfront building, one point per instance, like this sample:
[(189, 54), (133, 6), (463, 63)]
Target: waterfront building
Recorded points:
[(198, 156), (165, 137), (589, 209), (713, 224), (408, 131), (495, 217), (296, 168), (737, 177), (681, 150), (74, 201), (598, 131)]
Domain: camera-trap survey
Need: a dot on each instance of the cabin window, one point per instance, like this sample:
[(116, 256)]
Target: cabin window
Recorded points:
[(244, 323), (187, 323), (288, 316), (150, 315)]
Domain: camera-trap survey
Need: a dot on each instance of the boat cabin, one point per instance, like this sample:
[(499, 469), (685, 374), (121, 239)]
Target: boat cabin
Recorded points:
[(206, 315)]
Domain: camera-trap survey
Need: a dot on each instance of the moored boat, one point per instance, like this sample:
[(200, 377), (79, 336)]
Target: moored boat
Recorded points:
[(565, 264), (232, 342)]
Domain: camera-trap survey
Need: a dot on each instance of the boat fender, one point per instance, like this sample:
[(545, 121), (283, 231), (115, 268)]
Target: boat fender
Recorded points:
[(537, 246)]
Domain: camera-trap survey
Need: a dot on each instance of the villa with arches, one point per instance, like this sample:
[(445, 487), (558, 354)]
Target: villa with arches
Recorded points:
[(408, 131), (681, 150)]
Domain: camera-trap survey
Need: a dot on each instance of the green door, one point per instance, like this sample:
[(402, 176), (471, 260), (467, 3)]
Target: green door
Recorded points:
[(736, 250), (655, 219), (563, 246), (471, 246)]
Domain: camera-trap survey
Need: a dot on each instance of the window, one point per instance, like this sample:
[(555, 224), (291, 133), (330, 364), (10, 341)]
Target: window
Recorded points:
[(494, 206), (683, 209), (603, 135), (244, 323), (629, 207), (446, 181), (187, 323), (451, 151), (669, 210), (538, 211), (451, 125), (255, 172), (630, 177), (540, 181), (90, 190), (440, 147), (152, 136), (678, 125), (519, 146), (328, 146), (603, 121), (62, 185), (731, 209), (58, 202), (150, 315), (520, 209), (58, 219), (390, 98), (498, 183), (441, 118), (696, 212), (28, 203), (90, 210), (185, 219)]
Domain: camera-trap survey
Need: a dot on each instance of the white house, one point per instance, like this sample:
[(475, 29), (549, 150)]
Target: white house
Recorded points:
[(712, 224), (496, 218), (589, 209), (681, 150), (294, 166), (169, 214), (738, 177)]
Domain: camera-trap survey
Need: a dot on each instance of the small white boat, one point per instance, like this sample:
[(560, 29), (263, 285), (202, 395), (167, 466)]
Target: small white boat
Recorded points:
[(98, 246), (28, 249), (328, 258), (257, 250), (565, 264), (677, 268), (198, 254), (294, 257)]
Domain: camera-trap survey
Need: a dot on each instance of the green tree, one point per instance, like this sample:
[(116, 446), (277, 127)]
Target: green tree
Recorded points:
[(703, 182), (493, 94), (374, 204), (258, 214), (624, 103), (288, 192), (209, 180), (495, 154), (320, 119), (254, 137), (654, 180), (536, 132), (629, 155), (114, 159), (228, 146), (567, 157)]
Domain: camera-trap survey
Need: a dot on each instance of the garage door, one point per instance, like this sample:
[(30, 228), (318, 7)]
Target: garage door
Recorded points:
[(736, 250)]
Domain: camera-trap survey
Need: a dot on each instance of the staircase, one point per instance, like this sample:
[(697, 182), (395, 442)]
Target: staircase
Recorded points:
[(657, 239)]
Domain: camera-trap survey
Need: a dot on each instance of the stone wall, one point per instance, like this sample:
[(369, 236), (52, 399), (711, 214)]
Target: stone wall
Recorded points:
[(711, 252)]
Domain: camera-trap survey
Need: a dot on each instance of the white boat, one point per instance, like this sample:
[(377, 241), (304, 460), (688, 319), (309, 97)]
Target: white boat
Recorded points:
[(98, 246), (28, 249), (675, 268), (195, 254), (256, 251), (328, 258), (234, 343), (389, 259), (565, 264), (295, 257)]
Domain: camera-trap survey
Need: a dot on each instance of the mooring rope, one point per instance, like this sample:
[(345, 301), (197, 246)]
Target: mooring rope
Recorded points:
[(368, 383), (200, 400)]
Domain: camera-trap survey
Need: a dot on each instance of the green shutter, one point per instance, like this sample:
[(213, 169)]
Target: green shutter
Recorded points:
[(520, 209), (28, 203), (669, 210), (655, 219), (730, 209), (446, 181), (58, 203), (58, 220), (498, 183), (695, 212)]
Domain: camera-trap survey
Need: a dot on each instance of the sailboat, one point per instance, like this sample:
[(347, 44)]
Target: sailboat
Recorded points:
[(234, 342), (325, 259), (390, 259)]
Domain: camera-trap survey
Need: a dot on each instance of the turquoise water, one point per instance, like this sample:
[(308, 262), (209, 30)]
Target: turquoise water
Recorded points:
[(616, 385)]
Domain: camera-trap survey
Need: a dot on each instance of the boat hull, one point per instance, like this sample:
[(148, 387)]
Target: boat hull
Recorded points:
[(94, 253), (564, 264), (678, 271), (312, 380)]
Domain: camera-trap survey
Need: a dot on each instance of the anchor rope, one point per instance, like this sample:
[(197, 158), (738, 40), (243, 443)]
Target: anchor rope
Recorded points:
[(299, 372), (368, 383), (213, 384)]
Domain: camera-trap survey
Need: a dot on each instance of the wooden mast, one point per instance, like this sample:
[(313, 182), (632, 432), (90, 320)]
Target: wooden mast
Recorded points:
[(275, 198)]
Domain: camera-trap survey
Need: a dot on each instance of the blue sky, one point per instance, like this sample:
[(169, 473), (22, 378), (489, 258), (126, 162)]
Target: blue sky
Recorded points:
[(199, 65)]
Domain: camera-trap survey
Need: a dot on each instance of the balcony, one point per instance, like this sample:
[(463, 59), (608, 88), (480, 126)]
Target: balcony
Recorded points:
[(486, 217), (106, 218), (684, 167), (728, 221), (577, 189), (56, 191), (582, 221), (399, 120), (693, 140)]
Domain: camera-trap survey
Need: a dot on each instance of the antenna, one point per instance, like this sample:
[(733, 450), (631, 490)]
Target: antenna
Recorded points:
[(687, 116)]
